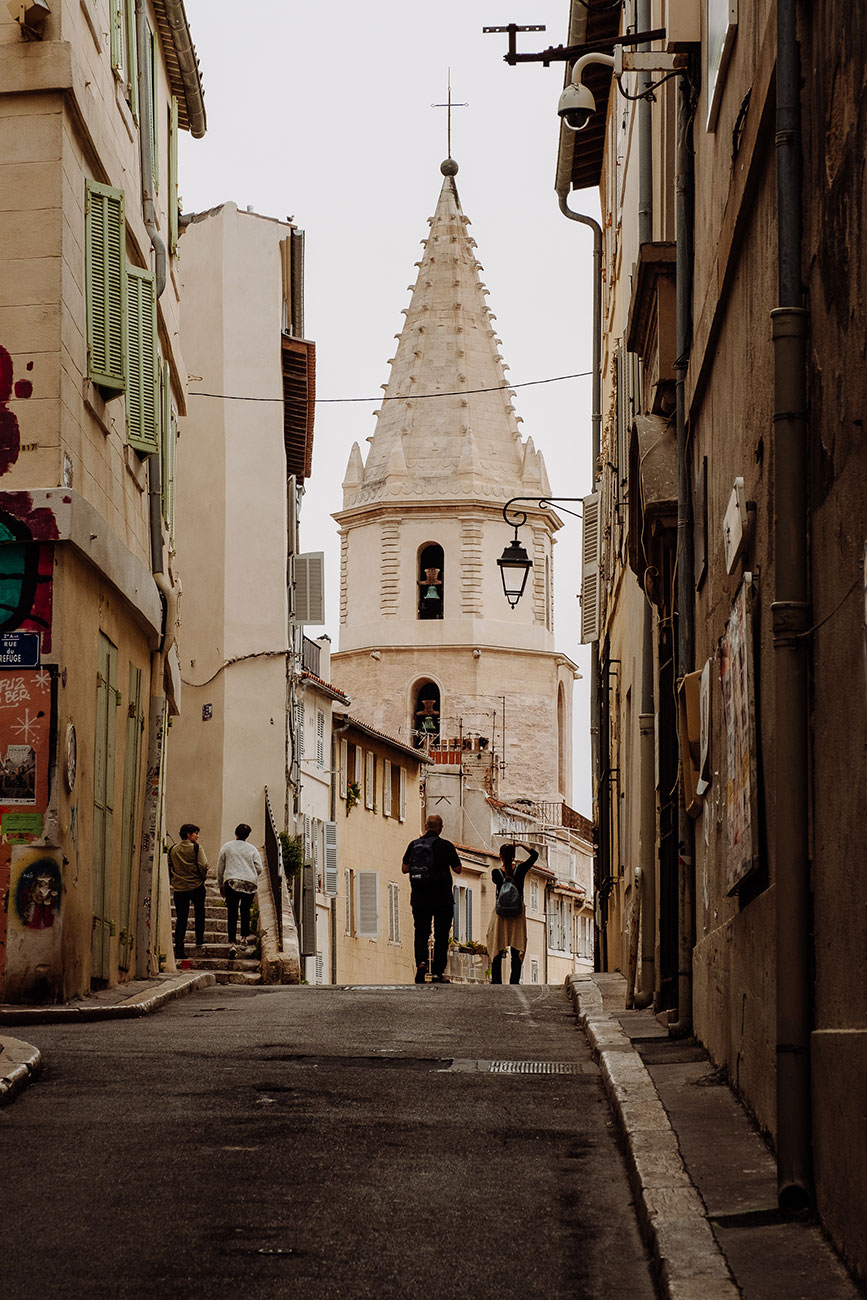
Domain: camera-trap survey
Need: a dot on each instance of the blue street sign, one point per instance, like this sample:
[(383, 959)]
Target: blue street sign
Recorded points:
[(20, 650)]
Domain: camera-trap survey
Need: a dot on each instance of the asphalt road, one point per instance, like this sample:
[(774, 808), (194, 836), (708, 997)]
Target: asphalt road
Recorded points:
[(319, 1142)]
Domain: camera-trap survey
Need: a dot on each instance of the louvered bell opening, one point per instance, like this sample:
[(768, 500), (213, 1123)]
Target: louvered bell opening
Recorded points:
[(299, 393)]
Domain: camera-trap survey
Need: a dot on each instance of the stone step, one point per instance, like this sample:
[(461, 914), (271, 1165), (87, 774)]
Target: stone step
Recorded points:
[(237, 977), (223, 962)]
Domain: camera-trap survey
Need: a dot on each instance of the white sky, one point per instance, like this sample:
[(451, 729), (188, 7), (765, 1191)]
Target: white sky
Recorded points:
[(322, 112)]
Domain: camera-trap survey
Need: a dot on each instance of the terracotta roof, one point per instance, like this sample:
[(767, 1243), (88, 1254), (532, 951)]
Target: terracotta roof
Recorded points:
[(333, 691), (376, 734)]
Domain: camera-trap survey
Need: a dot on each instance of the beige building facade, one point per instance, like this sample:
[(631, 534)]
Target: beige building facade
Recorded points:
[(242, 465), (92, 382)]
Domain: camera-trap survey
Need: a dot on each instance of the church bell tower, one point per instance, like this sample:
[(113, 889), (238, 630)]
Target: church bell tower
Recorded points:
[(430, 650)]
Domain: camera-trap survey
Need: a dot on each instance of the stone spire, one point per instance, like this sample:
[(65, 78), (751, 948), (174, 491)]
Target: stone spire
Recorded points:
[(464, 444)]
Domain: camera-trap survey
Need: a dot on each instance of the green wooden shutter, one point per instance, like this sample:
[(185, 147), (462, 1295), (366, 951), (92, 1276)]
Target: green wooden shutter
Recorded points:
[(131, 775), (173, 176), (131, 56), (117, 37), (105, 285), (152, 84), (142, 395)]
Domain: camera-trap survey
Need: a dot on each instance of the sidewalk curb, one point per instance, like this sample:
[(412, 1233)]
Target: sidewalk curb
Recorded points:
[(688, 1262), (140, 1004), (20, 1063)]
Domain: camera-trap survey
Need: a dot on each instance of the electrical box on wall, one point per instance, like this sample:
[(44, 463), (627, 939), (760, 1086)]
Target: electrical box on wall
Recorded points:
[(682, 23), (736, 526)]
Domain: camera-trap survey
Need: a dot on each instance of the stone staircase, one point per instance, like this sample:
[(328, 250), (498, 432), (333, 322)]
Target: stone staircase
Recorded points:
[(242, 969)]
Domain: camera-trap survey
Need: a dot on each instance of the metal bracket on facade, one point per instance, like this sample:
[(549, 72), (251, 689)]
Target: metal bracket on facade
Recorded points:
[(790, 620)]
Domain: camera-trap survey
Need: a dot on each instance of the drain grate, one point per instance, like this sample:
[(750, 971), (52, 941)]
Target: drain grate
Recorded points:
[(534, 1067)]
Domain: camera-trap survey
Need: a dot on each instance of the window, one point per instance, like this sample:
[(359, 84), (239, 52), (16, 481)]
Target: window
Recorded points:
[(430, 581), (370, 779), (386, 788), (463, 905), (367, 911), (393, 913), (106, 286), (534, 895), (426, 714), (320, 738), (142, 390)]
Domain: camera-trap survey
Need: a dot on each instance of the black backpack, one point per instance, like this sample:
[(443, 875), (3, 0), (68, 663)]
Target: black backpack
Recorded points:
[(509, 901), (421, 861)]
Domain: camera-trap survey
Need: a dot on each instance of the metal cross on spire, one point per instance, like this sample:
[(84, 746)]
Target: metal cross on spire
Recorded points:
[(449, 105)]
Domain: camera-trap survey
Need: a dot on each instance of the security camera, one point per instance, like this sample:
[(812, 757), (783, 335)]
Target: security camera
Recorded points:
[(576, 106)]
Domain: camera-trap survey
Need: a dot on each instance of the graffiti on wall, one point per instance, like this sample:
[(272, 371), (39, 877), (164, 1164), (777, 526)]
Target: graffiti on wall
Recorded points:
[(37, 894), (26, 560)]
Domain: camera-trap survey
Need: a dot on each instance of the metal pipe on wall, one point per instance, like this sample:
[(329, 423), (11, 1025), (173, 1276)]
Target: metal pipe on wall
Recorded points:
[(790, 613), (685, 584)]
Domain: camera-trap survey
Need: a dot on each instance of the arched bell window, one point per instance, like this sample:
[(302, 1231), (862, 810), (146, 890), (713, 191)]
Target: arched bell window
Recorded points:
[(426, 715), (431, 572)]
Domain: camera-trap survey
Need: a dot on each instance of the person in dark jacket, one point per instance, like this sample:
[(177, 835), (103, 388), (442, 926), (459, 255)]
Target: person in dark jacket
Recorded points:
[(432, 901), (188, 869), (509, 931)]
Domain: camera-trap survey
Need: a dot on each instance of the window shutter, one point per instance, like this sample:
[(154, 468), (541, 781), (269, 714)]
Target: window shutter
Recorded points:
[(402, 805), (347, 879), (299, 724), (308, 840), (320, 968), (117, 19), (368, 904), (331, 858), (142, 390), (314, 840), (393, 913), (152, 84), (173, 176), (386, 788), (456, 901), (590, 590), (308, 912), (131, 56), (369, 779), (342, 776), (469, 933), (320, 738), (308, 582), (106, 286), (169, 421)]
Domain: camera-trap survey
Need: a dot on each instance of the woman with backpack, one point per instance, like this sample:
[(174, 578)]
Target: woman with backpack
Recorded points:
[(508, 926)]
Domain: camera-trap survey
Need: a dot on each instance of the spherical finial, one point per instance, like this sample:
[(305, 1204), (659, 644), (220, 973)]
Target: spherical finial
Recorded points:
[(449, 167)]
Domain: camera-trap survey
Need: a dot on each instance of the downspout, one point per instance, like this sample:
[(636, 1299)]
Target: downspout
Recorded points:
[(685, 586), (647, 799), (790, 613), (148, 887), (596, 446)]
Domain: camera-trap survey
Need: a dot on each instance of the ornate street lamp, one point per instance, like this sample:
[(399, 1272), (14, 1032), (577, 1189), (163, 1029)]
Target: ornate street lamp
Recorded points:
[(515, 564)]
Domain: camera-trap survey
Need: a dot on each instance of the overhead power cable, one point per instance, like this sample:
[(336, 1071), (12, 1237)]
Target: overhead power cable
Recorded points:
[(403, 397)]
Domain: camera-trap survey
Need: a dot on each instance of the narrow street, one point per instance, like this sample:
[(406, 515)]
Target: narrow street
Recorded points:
[(351, 1142)]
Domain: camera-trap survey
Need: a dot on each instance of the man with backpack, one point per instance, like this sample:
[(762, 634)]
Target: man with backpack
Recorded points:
[(429, 862), (508, 927)]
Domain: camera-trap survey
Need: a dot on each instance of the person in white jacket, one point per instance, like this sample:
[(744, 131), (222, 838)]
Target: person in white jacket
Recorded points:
[(238, 868)]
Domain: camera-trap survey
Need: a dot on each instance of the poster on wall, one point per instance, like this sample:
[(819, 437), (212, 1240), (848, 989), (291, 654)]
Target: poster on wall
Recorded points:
[(739, 711), (25, 738)]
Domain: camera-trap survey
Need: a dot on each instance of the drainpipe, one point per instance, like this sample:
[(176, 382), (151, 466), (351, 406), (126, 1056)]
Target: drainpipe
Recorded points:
[(149, 853), (685, 587), (596, 445), (647, 821), (647, 798), (790, 613)]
